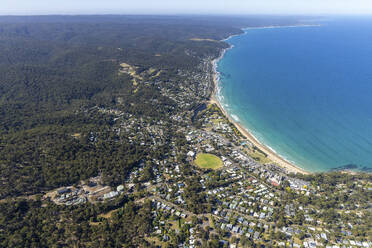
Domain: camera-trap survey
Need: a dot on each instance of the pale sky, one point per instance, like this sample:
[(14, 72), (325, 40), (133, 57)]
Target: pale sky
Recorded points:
[(241, 7)]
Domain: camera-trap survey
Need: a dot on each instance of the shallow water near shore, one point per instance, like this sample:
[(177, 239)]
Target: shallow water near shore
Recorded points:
[(305, 92)]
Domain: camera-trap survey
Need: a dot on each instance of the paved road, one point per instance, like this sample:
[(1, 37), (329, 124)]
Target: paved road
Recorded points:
[(172, 205), (248, 217)]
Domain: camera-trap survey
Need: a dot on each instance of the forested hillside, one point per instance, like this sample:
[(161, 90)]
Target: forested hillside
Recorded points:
[(52, 73)]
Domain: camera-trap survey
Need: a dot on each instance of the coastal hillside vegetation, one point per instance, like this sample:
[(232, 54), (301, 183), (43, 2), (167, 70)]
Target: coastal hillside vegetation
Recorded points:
[(98, 115)]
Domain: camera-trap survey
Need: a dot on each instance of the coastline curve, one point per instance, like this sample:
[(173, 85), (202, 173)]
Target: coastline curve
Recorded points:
[(291, 167)]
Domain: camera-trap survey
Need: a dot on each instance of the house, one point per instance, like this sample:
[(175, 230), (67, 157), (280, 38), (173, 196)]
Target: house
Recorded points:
[(229, 226), (191, 154), (236, 229), (63, 191), (120, 188), (262, 216), (324, 236), (110, 195)]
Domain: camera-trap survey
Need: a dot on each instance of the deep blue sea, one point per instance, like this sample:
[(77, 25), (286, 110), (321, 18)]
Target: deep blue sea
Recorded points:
[(306, 92)]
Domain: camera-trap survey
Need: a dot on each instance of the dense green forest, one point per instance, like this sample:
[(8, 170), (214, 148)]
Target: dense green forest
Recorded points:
[(54, 71), (51, 70)]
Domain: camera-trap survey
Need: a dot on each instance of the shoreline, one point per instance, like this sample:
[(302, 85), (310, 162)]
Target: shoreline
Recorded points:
[(284, 26), (273, 156)]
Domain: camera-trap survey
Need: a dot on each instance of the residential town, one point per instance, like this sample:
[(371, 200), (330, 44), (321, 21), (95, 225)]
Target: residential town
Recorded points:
[(247, 200)]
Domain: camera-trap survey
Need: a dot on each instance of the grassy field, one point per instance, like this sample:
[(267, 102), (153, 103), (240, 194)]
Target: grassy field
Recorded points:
[(260, 157), (208, 161)]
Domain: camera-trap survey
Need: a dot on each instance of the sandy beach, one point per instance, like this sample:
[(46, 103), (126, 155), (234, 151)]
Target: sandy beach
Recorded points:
[(290, 167)]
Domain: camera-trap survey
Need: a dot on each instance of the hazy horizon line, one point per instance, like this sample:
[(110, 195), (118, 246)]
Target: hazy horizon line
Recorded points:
[(187, 14)]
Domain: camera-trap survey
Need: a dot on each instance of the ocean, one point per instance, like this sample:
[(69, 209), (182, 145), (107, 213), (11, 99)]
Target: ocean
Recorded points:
[(305, 92)]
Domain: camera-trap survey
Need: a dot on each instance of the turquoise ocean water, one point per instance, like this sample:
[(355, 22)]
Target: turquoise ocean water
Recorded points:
[(306, 92)]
